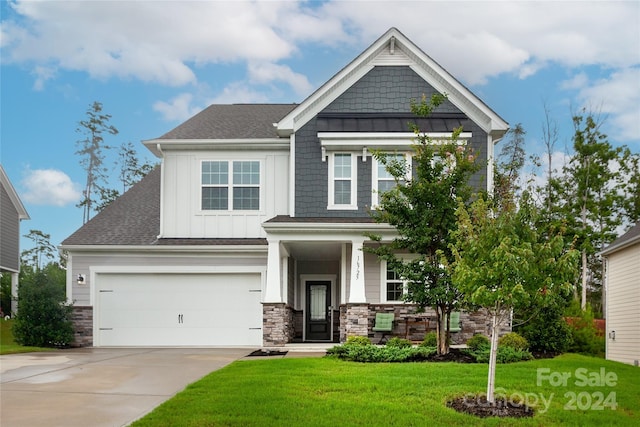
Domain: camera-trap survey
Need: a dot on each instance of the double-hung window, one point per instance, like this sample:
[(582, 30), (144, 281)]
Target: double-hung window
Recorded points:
[(230, 185), (342, 181), (393, 286), (382, 180)]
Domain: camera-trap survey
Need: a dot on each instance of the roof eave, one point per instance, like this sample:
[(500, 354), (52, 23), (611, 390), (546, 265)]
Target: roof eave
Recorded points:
[(13, 195), (615, 248), (165, 248), (157, 146)]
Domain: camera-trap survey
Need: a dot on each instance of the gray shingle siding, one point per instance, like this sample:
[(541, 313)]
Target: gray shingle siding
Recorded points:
[(386, 90), (9, 232), (382, 90)]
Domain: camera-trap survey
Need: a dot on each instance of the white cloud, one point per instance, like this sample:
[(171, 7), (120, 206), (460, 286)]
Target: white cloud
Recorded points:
[(618, 97), (164, 41), (150, 41), (578, 81), (239, 93), (177, 109), (50, 187), (264, 72), (170, 42), (501, 37)]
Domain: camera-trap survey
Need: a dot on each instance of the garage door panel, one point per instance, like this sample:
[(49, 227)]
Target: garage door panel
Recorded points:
[(178, 310)]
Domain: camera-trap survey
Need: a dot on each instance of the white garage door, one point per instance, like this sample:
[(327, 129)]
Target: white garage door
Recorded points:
[(178, 310)]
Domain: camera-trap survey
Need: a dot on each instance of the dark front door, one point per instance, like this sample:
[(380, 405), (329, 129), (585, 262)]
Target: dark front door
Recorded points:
[(318, 310)]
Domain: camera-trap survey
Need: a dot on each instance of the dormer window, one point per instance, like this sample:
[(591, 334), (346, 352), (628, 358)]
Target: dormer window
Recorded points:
[(242, 187)]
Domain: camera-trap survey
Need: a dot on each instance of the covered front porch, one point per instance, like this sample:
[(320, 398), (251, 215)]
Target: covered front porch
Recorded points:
[(315, 267), (322, 286)]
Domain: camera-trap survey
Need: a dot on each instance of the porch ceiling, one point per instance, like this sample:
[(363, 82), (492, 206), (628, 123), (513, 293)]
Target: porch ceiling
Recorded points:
[(315, 251)]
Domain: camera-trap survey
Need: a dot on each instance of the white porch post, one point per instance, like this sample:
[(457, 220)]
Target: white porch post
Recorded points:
[(356, 288), (274, 282)]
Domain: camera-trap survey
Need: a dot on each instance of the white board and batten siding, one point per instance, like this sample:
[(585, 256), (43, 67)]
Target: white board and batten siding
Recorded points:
[(623, 305), (181, 205)]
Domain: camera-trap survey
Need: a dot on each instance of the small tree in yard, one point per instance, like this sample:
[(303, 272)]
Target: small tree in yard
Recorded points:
[(44, 317), (422, 207), (503, 259)]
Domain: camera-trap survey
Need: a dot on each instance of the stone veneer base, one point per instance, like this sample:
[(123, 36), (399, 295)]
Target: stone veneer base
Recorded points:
[(82, 319), (278, 324)]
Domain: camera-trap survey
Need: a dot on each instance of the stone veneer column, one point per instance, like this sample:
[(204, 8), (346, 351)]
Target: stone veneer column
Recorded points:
[(82, 320), (277, 324), (356, 320)]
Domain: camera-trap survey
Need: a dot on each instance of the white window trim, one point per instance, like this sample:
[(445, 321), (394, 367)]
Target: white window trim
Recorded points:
[(408, 158), (354, 182), (383, 279), (383, 285), (230, 186)]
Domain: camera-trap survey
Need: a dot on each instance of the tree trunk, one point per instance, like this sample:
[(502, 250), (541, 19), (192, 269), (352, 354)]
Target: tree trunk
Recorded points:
[(603, 296), (492, 359), (443, 344), (441, 331), (583, 300)]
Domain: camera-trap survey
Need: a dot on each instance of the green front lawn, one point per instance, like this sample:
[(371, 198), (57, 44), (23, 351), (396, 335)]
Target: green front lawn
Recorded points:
[(8, 345), (320, 391)]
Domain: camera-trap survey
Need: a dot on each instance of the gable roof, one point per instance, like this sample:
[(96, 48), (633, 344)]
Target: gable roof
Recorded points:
[(131, 219), (226, 123), (632, 236), (13, 196), (394, 48)]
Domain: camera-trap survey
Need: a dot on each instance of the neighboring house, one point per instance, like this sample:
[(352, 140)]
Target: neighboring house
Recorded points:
[(623, 297), (251, 231), (12, 211)]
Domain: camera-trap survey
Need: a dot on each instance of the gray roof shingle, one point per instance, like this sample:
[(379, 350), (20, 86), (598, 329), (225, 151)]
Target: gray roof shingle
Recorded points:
[(132, 219), (235, 121), (632, 235)]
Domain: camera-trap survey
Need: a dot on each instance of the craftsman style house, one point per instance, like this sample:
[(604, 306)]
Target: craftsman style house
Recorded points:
[(251, 231)]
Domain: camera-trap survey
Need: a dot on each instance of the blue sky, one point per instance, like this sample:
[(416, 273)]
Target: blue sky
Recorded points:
[(153, 64)]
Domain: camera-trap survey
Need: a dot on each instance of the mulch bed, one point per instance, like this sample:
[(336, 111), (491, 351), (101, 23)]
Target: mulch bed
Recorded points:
[(266, 353), (454, 355), (478, 406)]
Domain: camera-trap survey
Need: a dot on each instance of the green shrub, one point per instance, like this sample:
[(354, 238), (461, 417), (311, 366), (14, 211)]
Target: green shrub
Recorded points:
[(399, 342), (372, 353), (513, 340), (478, 342), (546, 331), (358, 340), (43, 318), (584, 334), (430, 340), (505, 355)]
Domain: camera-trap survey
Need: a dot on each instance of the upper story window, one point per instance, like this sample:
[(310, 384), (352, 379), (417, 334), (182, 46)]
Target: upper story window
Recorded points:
[(222, 192), (382, 180), (342, 181)]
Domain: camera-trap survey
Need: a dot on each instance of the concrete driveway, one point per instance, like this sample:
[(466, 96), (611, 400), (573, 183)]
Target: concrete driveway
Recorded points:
[(99, 386)]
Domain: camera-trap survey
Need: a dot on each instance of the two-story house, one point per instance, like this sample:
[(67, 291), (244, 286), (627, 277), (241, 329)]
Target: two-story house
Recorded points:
[(12, 211), (251, 231)]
